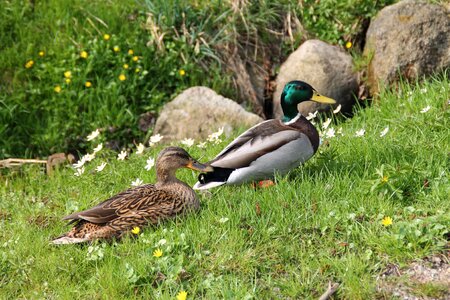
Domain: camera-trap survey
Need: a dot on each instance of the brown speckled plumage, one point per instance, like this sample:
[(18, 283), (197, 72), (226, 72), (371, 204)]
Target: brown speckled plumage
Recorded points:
[(139, 206)]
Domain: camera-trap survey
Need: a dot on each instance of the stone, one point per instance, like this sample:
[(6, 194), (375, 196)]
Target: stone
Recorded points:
[(327, 68), (199, 111), (146, 121), (409, 39)]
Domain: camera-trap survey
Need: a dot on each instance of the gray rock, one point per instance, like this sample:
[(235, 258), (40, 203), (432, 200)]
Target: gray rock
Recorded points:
[(327, 68), (411, 38), (199, 111)]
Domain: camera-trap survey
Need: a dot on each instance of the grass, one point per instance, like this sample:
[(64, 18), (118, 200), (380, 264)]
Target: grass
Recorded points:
[(321, 222)]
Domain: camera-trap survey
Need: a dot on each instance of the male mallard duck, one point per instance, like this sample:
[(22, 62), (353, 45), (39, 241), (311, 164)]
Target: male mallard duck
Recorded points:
[(139, 206), (272, 146)]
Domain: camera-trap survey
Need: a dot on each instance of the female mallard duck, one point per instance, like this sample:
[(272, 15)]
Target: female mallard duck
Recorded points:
[(139, 206), (272, 146)]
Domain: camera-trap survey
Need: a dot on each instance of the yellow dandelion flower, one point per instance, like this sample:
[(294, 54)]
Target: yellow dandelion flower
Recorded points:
[(131, 52), (41, 53), (106, 37), (83, 54), (348, 45), (387, 221), (88, 84), (125, 66), (135, 58), (182, 295), (157, 253), (122, 77), (137, 70), (136, 230), (182, 72), (68, 80), (29, 64), (57, 89), (385, 179), (68, 74), (116, 49)]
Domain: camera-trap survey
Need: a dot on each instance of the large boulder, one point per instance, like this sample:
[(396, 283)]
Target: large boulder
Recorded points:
[(199, 111), (411, 39), (327, 68)]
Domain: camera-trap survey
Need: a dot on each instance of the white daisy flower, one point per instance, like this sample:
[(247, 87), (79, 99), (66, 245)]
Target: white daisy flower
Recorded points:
[(98, 148), (150, 164), (93, 135), (329, 133), (223, 220), (154, 139), (337, 109), (311, 116), (215, 135), (383, 133), (79, 163), (425, 109), (201, 145), (122, 155), (140, 148), (188, 142), (360, 132), (161, 242), (137, 182), (88, 157), (326, 123), (79, 171), (100, 167)]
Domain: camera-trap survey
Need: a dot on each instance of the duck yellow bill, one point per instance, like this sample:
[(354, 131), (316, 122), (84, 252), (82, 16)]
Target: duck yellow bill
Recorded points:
[(196, 166), (322, 99)]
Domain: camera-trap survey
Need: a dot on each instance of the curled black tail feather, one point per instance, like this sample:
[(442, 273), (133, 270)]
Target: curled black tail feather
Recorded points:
[(218, 175)]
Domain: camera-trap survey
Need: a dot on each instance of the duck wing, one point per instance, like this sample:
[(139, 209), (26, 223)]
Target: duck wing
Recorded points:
[(144, 198), (257, 141)]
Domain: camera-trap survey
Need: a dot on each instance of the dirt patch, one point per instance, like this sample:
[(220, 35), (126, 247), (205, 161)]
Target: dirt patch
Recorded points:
[(424, 279)]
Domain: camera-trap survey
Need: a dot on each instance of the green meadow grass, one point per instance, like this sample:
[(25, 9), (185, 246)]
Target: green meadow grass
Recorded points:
[(321, 222)]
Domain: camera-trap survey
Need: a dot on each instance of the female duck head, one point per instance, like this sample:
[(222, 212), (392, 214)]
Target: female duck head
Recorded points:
[(173, 158), (295, 92)]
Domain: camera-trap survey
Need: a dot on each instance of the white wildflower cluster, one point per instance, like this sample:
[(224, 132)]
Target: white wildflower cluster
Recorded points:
[(150, 164), (94, 134), (311, 116), (154, 139), (140, 148), (384, 131), (215, 136), (122, 155), (327, 132), (360, 132), (137, 182), (79, 165), (425, 109), (201, 145), (188, 142)]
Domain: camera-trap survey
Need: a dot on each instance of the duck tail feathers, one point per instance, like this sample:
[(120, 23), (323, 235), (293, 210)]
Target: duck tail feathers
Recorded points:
[(205, 186), (212, 179), (65, 240)]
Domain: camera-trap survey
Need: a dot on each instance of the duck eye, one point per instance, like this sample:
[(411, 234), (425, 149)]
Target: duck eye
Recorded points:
[(298, 87)]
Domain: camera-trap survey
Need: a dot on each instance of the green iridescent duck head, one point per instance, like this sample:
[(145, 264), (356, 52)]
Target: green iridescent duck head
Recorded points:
[(296, 92)]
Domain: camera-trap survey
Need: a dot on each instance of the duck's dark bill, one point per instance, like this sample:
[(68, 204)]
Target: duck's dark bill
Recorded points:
[(199, 167), (322, 99)]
